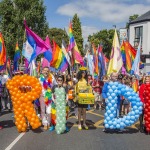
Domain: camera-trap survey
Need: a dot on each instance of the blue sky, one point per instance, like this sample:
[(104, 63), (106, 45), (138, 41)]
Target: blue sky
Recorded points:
[(94, 14)]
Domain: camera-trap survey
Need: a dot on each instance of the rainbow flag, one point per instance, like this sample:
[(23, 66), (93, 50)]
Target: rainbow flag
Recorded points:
[(17, 56), (95, 59), (128, 55), (73, 48), (59, 60), (135, 85), (2, 53)]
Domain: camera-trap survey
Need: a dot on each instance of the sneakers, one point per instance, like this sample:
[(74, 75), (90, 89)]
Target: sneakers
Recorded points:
[(52, 128), (67, 129), (85, 126), (79, 127)]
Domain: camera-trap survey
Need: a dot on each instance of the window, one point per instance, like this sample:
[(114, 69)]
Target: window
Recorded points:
[(138, 34)]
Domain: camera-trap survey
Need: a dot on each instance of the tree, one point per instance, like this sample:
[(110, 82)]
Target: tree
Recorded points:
[(58, 35), (12, 15), (104, 37), (131, 18), (77, 32)]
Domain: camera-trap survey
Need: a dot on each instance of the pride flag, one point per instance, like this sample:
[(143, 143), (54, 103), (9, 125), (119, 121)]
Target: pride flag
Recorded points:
[(128, 54), (73, 48), (48, 54), (2, 52), (136, 64), (95, 59), (101, 62), (59, 60), (17, 56), (115, 62), (38, 45)]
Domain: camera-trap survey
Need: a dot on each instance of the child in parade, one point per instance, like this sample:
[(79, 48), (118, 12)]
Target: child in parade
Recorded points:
[(47, 81), (97, 90), (60, 99), (82, 85)]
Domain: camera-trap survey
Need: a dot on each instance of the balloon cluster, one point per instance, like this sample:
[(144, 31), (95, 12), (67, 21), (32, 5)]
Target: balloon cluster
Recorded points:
[(116, 89), (24, 90), (60, 110), (147, 108)]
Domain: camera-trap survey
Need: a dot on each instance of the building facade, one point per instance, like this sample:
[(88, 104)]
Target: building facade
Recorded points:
[(140, 27)]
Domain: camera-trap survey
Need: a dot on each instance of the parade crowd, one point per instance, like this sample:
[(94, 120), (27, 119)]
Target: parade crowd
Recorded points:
[(71, 85)]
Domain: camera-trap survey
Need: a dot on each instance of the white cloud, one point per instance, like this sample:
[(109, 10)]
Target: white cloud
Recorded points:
[(116, 11), (87, 30)]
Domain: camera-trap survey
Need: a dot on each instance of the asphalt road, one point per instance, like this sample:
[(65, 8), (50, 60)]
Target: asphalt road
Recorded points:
[(92, 139)]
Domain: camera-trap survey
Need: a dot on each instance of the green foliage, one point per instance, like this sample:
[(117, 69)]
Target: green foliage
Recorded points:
[(104, 37), (131, 18), (58, 34), (77, 32), (12, 15)]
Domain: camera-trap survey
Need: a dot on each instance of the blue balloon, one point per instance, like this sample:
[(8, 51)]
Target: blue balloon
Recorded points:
[(114, 123), (110, 122), (114, 87), (110, 98), (106, 126), (132, 118), (116, 90), (112, 108), (113, 94), (109, 112), (110, 105), (108, 118), (118, 126), (111, 127), (113, 101), (111, 116)]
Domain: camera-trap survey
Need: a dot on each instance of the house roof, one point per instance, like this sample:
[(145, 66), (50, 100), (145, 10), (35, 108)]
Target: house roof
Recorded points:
[(142, 18)]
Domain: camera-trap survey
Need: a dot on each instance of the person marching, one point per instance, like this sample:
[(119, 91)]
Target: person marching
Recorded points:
[(82, 87), (60, 99), (47, 81)]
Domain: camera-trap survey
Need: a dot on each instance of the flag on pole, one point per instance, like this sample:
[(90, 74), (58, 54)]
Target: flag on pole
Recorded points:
[(101, 62), (17, 56), (27, 50), (48, 53), (115, 62), (2, 53), (65, 52), (73, 48), (136, 64), (59, 60), (95, 58), (38, 45)]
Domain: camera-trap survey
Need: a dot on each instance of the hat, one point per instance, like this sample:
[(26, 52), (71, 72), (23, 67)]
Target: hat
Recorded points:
[(83, 68)]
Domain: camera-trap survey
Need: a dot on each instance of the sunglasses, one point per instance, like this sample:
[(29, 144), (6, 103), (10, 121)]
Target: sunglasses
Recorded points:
[(60, 80)]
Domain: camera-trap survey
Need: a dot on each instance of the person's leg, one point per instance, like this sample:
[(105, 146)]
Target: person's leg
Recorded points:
[(3, 103), (43, 115), (79, 118), (84, 118)]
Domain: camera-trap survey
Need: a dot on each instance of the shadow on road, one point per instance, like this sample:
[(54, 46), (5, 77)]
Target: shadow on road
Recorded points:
[(7, 123), (126, 130)]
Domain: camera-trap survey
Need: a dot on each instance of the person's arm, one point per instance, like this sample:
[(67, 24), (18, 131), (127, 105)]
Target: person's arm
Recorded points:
[(104, 91)]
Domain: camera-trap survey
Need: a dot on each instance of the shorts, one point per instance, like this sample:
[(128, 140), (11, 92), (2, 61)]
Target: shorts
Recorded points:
[(82, 105), (98, 97)]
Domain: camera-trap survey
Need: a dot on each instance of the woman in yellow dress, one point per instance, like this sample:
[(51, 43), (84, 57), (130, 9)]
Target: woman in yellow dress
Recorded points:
[(81, 86)]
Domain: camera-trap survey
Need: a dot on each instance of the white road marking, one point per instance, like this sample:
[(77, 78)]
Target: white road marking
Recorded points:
[(15, 141)]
